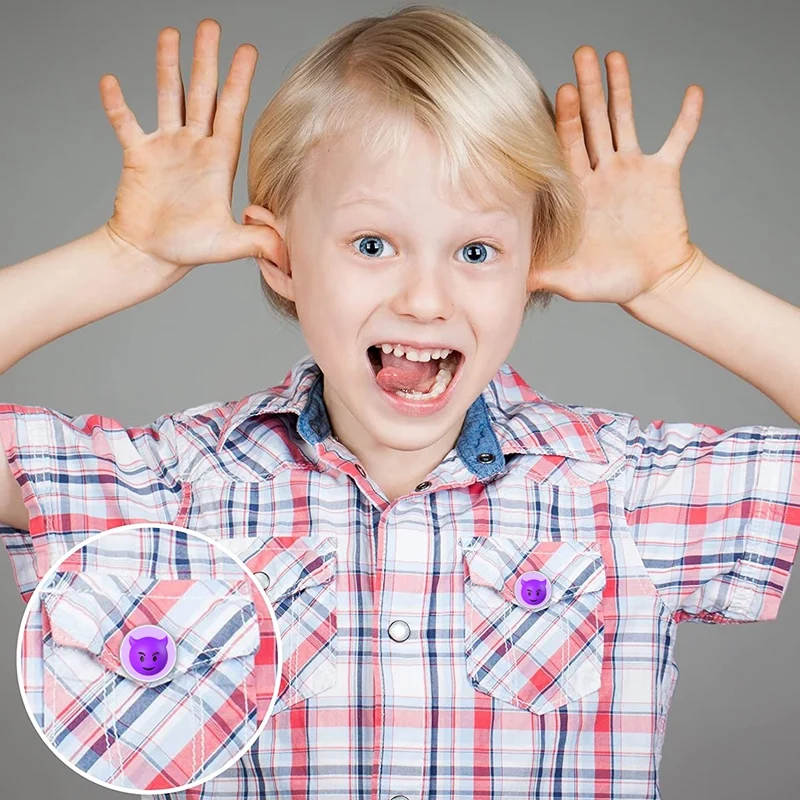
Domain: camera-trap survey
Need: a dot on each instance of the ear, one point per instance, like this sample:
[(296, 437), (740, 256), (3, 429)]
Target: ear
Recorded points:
[(274, 265)]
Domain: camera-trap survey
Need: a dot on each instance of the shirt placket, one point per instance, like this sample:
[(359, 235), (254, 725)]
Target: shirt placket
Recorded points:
[(399, 668)]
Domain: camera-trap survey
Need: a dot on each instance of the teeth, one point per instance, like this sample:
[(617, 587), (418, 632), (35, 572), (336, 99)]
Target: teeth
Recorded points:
[(412, 354)]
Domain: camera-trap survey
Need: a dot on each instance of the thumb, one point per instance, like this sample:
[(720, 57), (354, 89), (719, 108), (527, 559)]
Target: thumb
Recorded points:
[(557, 278), (257, 241), (264, 242)]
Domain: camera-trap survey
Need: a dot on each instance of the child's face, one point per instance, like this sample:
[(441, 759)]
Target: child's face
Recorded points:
[(399, 267)]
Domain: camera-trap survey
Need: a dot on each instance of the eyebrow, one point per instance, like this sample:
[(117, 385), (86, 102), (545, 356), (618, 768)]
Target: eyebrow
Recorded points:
[(366, 199)]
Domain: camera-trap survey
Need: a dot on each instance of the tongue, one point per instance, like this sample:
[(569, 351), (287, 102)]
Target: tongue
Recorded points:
[(398, 372)]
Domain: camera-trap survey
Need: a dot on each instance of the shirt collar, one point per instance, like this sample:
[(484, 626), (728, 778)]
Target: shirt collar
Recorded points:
[(507, 417)]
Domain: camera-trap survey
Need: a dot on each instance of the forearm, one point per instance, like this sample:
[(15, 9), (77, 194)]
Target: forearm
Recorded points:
[(745, 329), (70, 286)]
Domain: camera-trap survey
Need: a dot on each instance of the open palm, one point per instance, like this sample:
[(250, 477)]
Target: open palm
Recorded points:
[(635, 232), (173, 201)]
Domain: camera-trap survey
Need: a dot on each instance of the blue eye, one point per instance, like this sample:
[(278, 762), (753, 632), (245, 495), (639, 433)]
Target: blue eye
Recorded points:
[(477, 250), (370, 245)]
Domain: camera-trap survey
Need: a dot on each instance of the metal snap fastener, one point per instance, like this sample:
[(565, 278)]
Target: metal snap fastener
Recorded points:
[(148, 653), (486, 458), (399, 630), (263, 579), (361, 471), (533, 589), (420, 486)]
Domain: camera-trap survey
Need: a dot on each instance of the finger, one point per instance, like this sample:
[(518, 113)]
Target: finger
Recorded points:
[(620, 104), (683, 131), (597, 130), (202, 102), (570, 129), (119, 115), (169, 84), (234, 97)]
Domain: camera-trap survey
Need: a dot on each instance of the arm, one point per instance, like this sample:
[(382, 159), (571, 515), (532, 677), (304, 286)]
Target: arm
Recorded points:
[(70, 286), (57, 292), (636, 250), (743, 328), (159, 230)]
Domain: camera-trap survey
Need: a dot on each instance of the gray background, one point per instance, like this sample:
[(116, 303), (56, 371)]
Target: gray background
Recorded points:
[(734, 724)]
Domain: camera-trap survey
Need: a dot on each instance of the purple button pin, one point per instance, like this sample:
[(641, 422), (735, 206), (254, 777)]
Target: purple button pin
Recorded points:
[(533, 589), (148, 653)]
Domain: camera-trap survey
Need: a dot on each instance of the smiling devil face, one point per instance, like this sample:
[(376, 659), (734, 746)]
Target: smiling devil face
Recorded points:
[(148, 655)]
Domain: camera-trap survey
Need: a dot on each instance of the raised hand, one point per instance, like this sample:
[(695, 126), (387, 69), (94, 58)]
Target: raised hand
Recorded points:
[(173, 202), (635, 234)]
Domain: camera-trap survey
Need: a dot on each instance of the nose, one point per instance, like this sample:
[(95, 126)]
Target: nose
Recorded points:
[(425, 291)]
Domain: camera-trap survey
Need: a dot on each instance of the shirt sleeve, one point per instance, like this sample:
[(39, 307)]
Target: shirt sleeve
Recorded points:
[(715, 515), (81, 475)]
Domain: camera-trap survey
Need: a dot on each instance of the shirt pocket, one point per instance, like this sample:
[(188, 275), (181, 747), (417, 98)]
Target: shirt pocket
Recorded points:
[(538, 660), (128, 732), (299, 577)]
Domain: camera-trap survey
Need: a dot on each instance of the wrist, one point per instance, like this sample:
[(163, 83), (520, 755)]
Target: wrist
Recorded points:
[(151, 274), (667, 288)]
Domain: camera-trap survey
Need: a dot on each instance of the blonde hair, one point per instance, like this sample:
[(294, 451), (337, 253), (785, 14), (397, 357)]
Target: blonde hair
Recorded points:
[(431, 66)]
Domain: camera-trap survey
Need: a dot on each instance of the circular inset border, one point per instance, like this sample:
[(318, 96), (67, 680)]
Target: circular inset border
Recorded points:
[(35, 598)]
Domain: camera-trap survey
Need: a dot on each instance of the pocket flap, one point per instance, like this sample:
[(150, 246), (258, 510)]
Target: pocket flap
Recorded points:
[(572, 567), (293, 564), (209, 619)]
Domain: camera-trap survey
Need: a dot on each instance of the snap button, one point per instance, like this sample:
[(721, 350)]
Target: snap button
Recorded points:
[(533, 589), (361, 471), (263, 579), (420, 486), (485, 458), (147, 653), (399, 630)]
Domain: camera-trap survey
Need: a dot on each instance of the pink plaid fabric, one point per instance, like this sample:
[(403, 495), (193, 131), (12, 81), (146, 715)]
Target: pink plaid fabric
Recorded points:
[(199, 717), (638, 527)]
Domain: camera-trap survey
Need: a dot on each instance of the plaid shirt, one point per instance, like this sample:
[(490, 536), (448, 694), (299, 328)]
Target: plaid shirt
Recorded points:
[(637, 528), (198, 717)]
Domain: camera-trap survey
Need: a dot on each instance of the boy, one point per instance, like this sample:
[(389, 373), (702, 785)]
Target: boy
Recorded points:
[(477, 587)]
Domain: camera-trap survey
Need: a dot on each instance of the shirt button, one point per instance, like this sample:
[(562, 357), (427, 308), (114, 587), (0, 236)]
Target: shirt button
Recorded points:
[(361, 471), (420, 486), (485, 458), (533, 590), (399, 630), (263, 579), (399, 797)]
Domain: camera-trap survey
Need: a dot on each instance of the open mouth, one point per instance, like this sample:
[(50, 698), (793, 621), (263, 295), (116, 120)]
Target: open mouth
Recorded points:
[(414, 380)]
